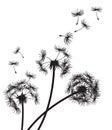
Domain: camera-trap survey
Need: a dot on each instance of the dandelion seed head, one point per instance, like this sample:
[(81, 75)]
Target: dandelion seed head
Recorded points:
[(18, 93), (84, 92)]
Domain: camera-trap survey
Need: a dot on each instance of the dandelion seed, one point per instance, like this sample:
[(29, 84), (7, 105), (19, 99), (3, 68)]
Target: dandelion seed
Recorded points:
[(96, 9), (14, 63), (67, 38), (18, 51), (30, 76), (77, 14), (84, 25)]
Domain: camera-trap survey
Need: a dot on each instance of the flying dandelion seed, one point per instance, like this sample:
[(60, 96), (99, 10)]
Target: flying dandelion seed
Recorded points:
[(96, 9), (84, 25), (30, 75), (67, 38), (14, 63), (18, 51), (77, 14)]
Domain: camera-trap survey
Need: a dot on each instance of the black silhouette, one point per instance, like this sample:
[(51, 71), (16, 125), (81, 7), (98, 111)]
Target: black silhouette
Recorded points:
[(84, 25), (18, 51), (14, 63), (18, 94), (96, 9), (62, 63), (55, 104), (67, 38), (77, 14), (86, 86), (30, 76), (82, 88)]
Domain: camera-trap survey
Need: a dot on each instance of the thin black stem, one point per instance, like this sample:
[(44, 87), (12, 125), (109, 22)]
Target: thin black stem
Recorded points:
[(79, 29), (50, 97), (57, 56), (48, 58), (62, 58), (46, 66), (77, 21), (28, 80), (21, 54), (57, 103), (45, 63), (97, 16), (22, 120), (14, 69)]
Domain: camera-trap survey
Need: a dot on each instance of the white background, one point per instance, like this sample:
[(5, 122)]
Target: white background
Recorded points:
[(34, 25)]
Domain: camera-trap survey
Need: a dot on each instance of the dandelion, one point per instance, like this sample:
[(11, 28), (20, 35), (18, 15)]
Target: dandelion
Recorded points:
[(67, 38), (84, 25), (77, 14), (14, 63), (18, 51), (86, 88), (30, 76), (58, 63), (82, 88), (96, 9), (18, 94)]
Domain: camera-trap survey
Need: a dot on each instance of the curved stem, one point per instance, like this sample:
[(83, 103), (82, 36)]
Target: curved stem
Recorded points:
[(22, 120), (50, 97), (63, 99)]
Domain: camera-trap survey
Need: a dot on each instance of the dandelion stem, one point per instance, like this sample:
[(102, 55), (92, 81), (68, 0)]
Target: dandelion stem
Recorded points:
[(45, 63), (97, 15), (14, 69), (55, 104), (57, 56), (21, 54), (50, 97), (79, 29), (62, 58), (22, 120), (77, 21), (28, 80), (46, 66)]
